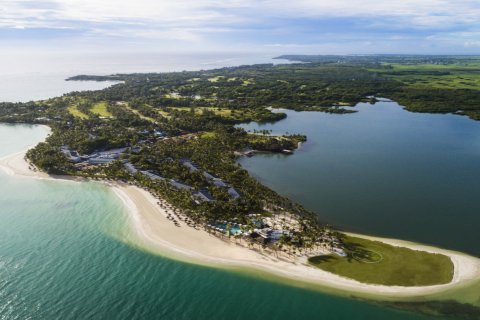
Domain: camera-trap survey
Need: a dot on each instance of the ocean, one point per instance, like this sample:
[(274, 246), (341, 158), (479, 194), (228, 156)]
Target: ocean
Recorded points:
[(66, 253)]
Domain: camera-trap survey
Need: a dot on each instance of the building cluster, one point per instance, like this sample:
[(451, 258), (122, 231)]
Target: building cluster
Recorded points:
[(108, 156), (201, 195), (232, 192), (102, 157), (269, 234), (257, 229)]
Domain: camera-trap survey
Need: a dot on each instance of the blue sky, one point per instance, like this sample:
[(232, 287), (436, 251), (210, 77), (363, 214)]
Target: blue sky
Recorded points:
[(301, 26)]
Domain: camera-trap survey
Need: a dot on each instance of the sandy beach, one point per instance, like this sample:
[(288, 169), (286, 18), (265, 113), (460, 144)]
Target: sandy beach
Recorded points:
[(151, 226)]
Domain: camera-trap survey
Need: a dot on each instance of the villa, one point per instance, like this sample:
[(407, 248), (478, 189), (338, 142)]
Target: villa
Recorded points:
[(191, 167), (208, 176), (180, 186), (219, 183), (130, 168), (203, 195), (234, 194), (152, 176)]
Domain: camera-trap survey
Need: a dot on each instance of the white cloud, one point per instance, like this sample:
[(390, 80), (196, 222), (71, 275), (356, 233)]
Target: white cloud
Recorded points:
[(193, 20), (472, 43), (193, 12)]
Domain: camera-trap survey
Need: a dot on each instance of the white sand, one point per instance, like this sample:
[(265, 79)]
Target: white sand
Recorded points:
[(150, 224)]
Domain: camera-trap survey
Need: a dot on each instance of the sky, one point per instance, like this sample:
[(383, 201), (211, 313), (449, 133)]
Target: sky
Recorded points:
[(269, 26)]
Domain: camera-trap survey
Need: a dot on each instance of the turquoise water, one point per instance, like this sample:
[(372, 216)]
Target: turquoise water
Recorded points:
[(63, 256), (383, 171), (233, 230)]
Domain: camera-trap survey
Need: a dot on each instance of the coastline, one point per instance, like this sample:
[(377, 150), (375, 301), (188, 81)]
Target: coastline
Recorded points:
[(153, 231)]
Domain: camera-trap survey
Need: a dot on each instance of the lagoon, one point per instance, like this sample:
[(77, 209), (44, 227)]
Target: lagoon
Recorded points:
[(382, 171)]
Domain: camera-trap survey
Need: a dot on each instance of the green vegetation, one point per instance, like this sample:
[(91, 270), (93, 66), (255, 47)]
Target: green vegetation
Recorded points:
[(100, 108), (215, 79), (227, 115), (326, 84), (208, 135), (173, 96), (270, 143), (435, 84), (201, 110), (137, 112), (73, 109), (161, 121), (379, 263), (425, 76)]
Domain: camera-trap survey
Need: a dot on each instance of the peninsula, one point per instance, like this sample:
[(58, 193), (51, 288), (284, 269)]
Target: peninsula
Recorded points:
[(167, 144)]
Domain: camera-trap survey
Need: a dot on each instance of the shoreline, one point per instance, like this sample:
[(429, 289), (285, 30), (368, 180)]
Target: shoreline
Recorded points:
[(153, 231)]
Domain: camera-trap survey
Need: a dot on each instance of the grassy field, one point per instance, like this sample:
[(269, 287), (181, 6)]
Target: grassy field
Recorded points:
[(456, 76), (100, 108), (76, 113), (141, 116), (218, 111), (451, 81), (200, 110), (215, 79), (208, 135), (174, 96), (239, 115), (379, 263), (164, 114)]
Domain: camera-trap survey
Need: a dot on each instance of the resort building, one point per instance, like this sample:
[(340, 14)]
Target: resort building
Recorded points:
[(208, 176), (101, 160), (152, 176), (271, 235), (135, 150), (130, 168), (180, 185), (72, 156), (106, 156), (203, 195), (159, 133), (234, 194), (191, 167), (219, 183)]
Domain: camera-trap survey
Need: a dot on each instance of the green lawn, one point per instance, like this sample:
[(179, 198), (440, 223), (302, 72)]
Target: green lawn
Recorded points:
[(460, 76), (100, 108), (76, 113), (138, 113), (473, 65), (223, 112), (208, 135), (215, 79), (379, 263), (164, 114), (173, 95)]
